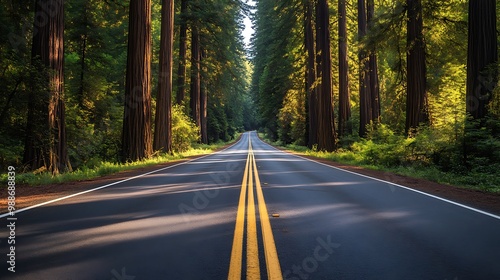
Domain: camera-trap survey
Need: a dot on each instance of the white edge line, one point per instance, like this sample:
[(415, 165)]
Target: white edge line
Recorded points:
[(111, 184), (394, 184)]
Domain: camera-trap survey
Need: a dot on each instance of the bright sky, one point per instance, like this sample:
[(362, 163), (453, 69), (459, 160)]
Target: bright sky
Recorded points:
[(248, 31)]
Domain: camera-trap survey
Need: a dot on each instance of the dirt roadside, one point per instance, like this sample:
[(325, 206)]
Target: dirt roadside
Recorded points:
[(32, 195)]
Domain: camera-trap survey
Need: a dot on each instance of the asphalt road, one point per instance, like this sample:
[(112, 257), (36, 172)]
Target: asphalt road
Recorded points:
[(181, 223)]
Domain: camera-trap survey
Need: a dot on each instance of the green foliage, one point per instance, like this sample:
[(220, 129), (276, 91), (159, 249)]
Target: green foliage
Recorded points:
[(184, 131), (384, 148), (431, 154), (225, 67), (15, 59), (276, 51), (482, 145), (95, 59), (292, 119)]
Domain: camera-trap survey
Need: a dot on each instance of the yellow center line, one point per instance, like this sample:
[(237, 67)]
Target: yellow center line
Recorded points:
[(252, 250), (270, 252), (253, 268), (237, 251)]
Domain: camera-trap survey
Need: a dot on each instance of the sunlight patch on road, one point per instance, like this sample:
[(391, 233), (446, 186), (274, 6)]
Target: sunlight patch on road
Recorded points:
[(121, 228)]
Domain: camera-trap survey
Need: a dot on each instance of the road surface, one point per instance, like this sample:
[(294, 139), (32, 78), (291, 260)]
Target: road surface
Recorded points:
[(252, 211)]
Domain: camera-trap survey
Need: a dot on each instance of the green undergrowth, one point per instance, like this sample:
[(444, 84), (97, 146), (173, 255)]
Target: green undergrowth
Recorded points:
[(412, 157), (100, 169)]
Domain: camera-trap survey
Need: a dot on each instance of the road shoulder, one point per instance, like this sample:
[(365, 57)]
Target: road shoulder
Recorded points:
[(27, 195), (488, 202)]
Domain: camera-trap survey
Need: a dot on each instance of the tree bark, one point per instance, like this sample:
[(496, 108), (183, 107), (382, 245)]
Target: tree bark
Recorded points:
[(326, 127), (83, 53), (203, 101), (373, 67), (482, 57), (365, 105), (181, 71), (416, 101), (312, 118), (136, 138), (195, 76), (163, 119), (45, 144), (344, 97)]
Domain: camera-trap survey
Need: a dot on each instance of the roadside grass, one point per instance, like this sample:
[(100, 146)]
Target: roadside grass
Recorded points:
[(474, 180), (106, 168)]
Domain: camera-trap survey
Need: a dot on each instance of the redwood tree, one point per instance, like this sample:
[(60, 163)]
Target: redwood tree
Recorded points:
[(344, 98), (136, 137), (181, 72), (365, 105), (203, 101), (482, 56), (416, 100), (163, 119), (373, 66), (195, 75), (312, 117), (326, 127), (45, 144)]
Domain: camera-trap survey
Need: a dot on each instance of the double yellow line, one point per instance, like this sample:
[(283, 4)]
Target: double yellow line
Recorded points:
[(252, 249)]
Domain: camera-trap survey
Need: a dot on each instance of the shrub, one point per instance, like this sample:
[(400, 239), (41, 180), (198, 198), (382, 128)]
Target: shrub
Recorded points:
[(184, 131), (382, 147)]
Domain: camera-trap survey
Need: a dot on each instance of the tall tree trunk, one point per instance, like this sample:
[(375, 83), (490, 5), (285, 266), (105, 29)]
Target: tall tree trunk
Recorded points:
[(203, 100), (58, 153), (344, 98), (136, 138), (482, 57), (326, 125), (312, 117), (163, 119), (373, 67), (45, 144), (83, 53), (181, 71), (365, 106), (318, 66), (416, 101), (195, 76)]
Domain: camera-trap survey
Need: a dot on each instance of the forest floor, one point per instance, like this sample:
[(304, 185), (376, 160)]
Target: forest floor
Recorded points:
[(31, 195)]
